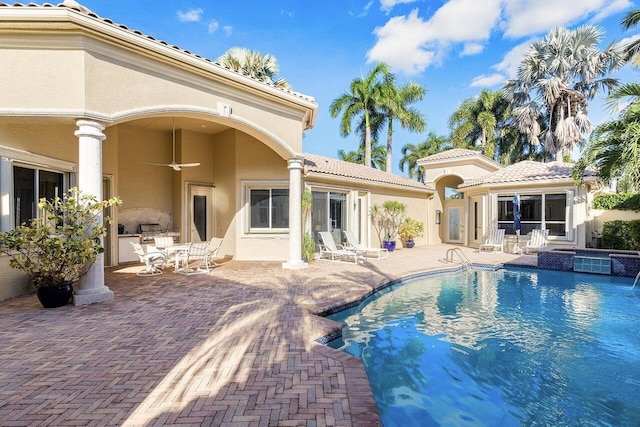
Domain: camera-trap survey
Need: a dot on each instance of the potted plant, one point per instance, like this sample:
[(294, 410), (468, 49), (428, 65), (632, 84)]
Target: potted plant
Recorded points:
[(409, 230), (308, 242), (59, 246), (386, 220)]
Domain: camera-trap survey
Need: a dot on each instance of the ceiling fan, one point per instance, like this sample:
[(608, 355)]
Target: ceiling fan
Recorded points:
[(175, 166)]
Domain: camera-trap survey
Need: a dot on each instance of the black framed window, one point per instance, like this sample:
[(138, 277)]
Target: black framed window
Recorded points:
[(269, 208), (29, 186)]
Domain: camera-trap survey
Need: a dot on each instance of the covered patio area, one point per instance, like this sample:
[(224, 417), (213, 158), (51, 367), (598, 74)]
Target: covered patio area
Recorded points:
[(233, 347)]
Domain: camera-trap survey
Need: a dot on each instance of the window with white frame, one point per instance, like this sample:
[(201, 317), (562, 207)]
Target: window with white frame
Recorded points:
[(269, 209), (537, 211), (29, 186)]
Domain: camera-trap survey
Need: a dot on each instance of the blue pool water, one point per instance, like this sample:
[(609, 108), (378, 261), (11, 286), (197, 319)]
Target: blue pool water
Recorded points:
[(501, 348)]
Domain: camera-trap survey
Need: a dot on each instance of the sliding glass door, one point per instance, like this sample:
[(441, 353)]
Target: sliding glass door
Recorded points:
[(329, 214)]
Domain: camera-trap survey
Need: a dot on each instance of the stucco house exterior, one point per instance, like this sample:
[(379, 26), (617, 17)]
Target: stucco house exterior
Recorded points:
[(475, 194), (90, 103)]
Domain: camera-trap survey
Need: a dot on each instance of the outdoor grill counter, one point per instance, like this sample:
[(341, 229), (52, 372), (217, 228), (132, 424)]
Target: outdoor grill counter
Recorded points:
[(125, 250)]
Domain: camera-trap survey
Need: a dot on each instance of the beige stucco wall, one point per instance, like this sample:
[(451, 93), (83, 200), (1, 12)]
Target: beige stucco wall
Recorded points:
[(600, 216), (417, 208)]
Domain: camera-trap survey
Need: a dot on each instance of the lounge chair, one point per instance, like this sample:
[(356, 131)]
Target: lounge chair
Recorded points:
[(495, 242), (152, 259), (329, 248), (538, 240), (195, 260), (352, 244)]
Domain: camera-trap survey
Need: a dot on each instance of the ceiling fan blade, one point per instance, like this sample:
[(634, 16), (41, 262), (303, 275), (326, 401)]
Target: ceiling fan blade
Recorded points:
[(188, 165), (157, 164)]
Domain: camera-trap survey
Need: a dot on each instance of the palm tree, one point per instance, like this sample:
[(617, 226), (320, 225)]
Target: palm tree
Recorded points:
[(631, 20), (412, 153), (614, 147), (395, 105), (378, 155), (253, 64), (479, 119), (556, 79), (361, 100)]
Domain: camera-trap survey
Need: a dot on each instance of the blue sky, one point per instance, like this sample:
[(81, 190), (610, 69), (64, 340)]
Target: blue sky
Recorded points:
[(453, 48)]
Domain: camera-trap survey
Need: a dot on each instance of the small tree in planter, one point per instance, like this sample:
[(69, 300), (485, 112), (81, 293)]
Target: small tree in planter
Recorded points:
[(409, 230), (60, 246), (386, 220), (308, 242)]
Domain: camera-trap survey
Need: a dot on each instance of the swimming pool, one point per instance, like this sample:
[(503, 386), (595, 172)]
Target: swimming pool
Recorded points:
[(503, 348)]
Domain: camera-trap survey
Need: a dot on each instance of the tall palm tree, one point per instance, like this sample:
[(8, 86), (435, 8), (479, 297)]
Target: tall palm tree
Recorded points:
[(362, 99), (478, 120), (395, 106), (412, 153), (614, 147), (253, 64), (556, 79)]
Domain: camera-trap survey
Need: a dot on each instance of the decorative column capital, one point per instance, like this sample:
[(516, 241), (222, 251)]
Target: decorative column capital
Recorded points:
[(90, 129), (295, 163)]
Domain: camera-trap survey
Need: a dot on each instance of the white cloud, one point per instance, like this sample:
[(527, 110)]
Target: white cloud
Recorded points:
[(213, 26), (472, 49), (192, 15), (387, 5), (228, 30), (529, 17), (611, 9), (487, 81), (410, 44), (287, 13), (512, 59)]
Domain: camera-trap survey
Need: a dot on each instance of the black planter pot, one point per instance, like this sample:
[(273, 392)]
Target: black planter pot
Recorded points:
[(55, 296), (390, 246)]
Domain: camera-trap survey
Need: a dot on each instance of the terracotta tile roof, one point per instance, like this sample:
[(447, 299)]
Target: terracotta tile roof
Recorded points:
[(338, 168), (86, 11), (454, 153), (527, 171)]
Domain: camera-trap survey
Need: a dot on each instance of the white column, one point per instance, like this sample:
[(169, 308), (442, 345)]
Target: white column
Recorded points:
[(295, 215), (91, 288)]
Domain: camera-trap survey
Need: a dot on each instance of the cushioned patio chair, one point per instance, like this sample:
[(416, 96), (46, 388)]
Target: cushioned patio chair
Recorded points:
[(352, 244), (330, 249), (538, 240), (153, 259), (495, 242)]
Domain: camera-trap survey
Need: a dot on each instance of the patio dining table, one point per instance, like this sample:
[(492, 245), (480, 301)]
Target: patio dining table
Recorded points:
[(178, 252)]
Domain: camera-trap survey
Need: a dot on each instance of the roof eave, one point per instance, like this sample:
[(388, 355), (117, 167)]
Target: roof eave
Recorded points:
[(366, 182)]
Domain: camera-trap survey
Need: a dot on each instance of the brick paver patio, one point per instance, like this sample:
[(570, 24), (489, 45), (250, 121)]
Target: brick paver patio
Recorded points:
[(233, 348)]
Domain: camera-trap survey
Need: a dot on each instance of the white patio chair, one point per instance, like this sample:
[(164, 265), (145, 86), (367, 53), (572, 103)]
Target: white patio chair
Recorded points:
[(495, 242), (329, 248), (152, 258), (164, 244), (352, 244), (213, 251), (195, 260), (538, 240)]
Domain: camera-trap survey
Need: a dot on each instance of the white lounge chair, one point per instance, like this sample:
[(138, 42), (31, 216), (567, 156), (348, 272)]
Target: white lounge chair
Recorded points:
[(352, 244), (164, 244), (538, 240), (152, 259), (329, 248), (495, 242)]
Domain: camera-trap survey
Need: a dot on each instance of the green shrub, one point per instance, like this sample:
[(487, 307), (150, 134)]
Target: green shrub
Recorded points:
[(620, 201), (624, 235)]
